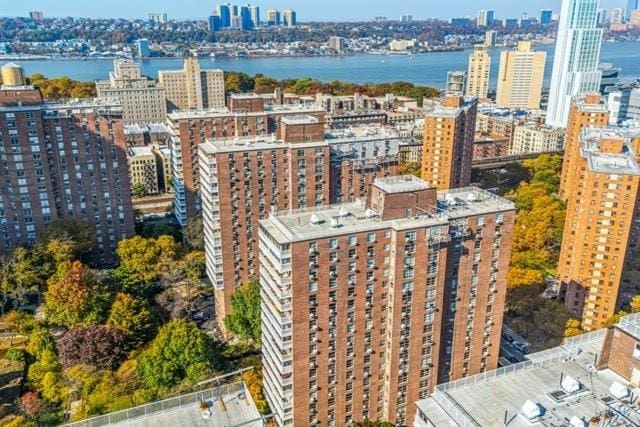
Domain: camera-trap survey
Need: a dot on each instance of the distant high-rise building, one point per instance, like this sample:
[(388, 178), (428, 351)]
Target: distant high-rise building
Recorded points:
[(478, 72), (602, 198), (289, 17), (143, 48), (61, 160), (484, 18), (602, 16), (617, 15), (624, 104), (456, 83), (490, 38), (631, 6), (255, 16), (246, 22), (449, 129), (224, 11), (36, 15), (520, 78), (546, 16), (273, 17), (576, 58), (158, 17), (380, 19), (461, 22), (511, 22), (370, 304), (337, 43), (192, 88), (406, 18), (143, 101), (214, 22)]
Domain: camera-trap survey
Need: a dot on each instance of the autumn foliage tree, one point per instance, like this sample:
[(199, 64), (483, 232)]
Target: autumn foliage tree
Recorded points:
[(74, 296), (133, 317), (145, 260), (99, 346)]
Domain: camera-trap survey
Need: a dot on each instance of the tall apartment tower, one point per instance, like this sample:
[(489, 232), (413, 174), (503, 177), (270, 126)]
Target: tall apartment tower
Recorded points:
[(142, 100), (289, 18), (520, 78), (577, 54), (602, 198), (631, 6), (242, 180), (192, 88), (586, 110), (456, 83), (478, 72), (64, 160), (273, 17), (371, 304), (447, 150)]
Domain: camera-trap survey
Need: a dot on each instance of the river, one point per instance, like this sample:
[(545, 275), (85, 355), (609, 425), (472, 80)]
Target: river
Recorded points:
[(429, 69)]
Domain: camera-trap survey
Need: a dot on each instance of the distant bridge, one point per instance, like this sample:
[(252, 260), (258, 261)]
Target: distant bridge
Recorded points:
[(496, 162)]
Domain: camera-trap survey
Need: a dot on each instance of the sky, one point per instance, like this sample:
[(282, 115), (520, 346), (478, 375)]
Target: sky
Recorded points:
[(307, 10)]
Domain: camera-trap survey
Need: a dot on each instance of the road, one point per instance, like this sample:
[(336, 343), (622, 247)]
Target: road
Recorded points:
[(507, 350)]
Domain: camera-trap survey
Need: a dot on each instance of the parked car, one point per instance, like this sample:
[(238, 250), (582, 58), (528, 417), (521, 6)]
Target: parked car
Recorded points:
[(507, 338), (520, 346)]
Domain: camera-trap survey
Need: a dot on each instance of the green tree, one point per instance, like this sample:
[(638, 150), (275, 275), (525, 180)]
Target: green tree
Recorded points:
[(635, 304), (75, 296), (42, 347), (79, 234), (132, 316), (139, 190), (244, 320), (573, 328), (193, 234), (180, 351), (23, 273), (145, 260)]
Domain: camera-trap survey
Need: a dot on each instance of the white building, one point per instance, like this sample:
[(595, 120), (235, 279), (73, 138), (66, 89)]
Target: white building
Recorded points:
[(533, 138), (577, 54), (617, 16), (401, 45), (193, 88)]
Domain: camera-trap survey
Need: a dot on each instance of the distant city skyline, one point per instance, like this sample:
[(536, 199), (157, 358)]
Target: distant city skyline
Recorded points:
[(354, 10)]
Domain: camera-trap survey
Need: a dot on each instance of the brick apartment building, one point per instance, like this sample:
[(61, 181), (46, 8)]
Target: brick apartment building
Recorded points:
[(368, 305), (61, 160), (447, 151), (242, 179)]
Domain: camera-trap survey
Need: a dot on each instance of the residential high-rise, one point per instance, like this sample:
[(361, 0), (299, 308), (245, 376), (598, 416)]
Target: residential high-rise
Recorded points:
[(158, 17), (577, 54), (143, 48), (224, 11), (36, 15), (624, 104), (371, 304), (61, 160), (586, 110), (478, 72), (255, 16), (447, 150), (214, 23), (336, 43), (546, 16), (490, 38), (192, 88), (617, 16), (534, 138), (602, 16), (246, 22), (631, 6), (484, 18), (242, 179), (273, 17), (406, 18), (456, 83), (246, 116), (142, 100), (520, 77), (289, 18), (602, 197)]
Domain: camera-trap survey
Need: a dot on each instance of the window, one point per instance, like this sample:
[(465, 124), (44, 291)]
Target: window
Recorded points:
[(480, 220), (636, 351), (371, 237), (333, 243), (353, 240)]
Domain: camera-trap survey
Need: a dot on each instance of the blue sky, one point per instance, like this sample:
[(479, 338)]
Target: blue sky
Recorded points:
[(343, 10)]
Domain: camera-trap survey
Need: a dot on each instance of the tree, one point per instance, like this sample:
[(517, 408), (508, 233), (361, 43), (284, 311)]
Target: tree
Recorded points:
[(23, 273), (614, 320), (193, 266), (74, 296), (412, 168), (144, 260), (80, 234), (180, 351), (244, 320), (253, 380), (132, 316), (99, 346), (635, 304), (193, 234), (139, 190), (573, 328), (31, 404), (42, 347)]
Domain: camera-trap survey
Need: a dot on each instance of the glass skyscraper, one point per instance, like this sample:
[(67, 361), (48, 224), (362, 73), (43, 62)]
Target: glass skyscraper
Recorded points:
[(575, 64), (631, 6)]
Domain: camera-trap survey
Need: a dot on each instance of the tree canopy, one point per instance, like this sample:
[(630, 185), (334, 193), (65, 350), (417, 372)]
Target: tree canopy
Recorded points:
[(145, 260), (244, 320), (99, 346), (132, 316)]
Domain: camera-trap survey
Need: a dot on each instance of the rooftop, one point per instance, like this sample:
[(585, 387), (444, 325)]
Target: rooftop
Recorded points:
[(562, 385), (224, 112), (624, 163), (346, 218), (140, 151), (440, 110), (304, 119), (401, 184)]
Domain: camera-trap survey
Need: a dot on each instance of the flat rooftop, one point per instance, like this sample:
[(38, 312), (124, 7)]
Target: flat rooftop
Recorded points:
[(624, 163), (140, 151), (228, 406), (304, 119), (401, 184), (484, 399), (225, 112), (439, 110), (316, 222)]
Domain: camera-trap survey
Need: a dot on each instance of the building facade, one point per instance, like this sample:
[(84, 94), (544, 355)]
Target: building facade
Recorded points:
[(142, 100), (601, 207), (192, 88), (576, 58), (289, 18), (520, 78), (447, 152), (478, 72), (535, 138), (456, 83), (363, 298), (62, 161)]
